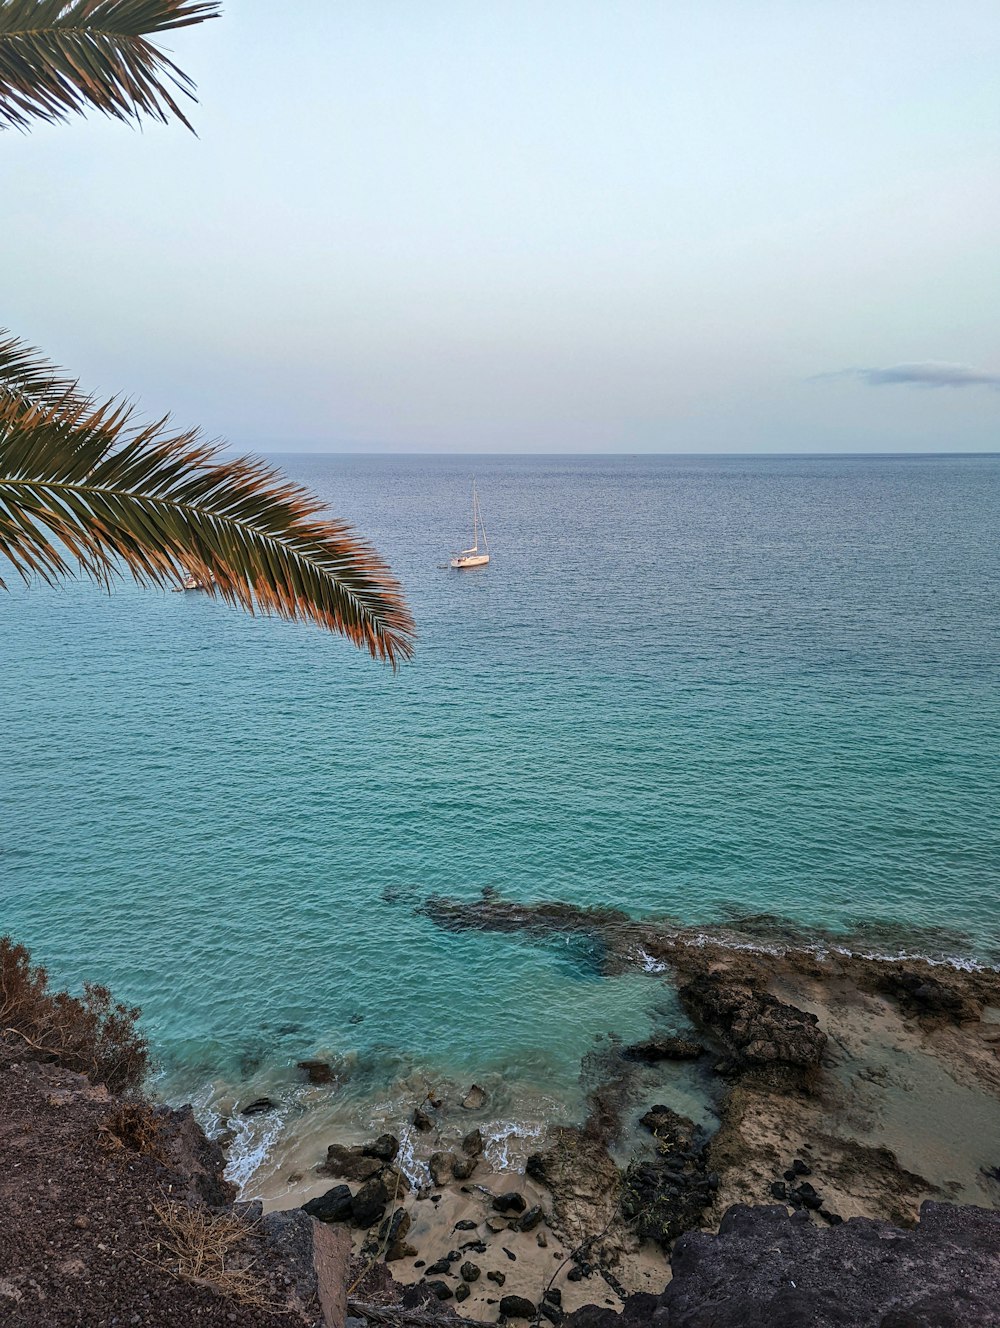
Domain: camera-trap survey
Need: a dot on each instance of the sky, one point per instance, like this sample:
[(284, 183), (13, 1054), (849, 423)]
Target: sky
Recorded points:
[(538, 226)]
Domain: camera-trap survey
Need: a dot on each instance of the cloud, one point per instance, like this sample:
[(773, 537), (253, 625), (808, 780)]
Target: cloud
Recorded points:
[(932, 373)]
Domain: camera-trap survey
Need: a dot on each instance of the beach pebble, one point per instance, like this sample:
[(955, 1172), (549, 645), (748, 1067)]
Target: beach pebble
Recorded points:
[(462, 1292), (497, 1277), (471, 1272), (800, 1168), (496, 1225), (440, 1289), (385, 1148), (472, 1144), (465, 1225), (542, 1242), (509, 1253), (441, 1266)]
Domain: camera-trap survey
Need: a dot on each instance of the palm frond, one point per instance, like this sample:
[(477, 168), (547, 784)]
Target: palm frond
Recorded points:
[(88, 486), (25, 371), (59, 58)]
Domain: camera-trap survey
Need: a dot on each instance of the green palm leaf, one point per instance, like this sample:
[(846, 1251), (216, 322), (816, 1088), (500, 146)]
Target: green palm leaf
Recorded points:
[(58, 58), (86, 485)]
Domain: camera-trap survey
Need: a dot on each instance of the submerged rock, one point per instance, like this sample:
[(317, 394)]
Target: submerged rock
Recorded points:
[(475, 1098), (257, 1107), (317, 1072), (664, 1049)]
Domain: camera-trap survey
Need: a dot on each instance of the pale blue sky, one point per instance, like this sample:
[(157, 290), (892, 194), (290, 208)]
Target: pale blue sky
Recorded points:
[(538, 225)]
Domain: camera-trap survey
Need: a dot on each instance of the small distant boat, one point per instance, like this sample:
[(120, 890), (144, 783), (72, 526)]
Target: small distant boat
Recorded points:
[(473, 557), (192, 582)]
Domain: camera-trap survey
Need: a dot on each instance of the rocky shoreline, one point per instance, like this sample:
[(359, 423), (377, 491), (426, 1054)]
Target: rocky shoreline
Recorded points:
[(858, 1131)]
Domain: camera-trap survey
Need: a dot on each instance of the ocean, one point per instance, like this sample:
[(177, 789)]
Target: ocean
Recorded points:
[(697, 686)]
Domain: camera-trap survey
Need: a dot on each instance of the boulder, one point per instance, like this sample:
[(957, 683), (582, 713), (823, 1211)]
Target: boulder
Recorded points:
[(385, 1148), (442, 1167), (756, 1028), (511, 1202), (369, 1202), (927, 996), (462, 1292), (475, 1098), (470, 1271), (472, 1144), (516, 1307), (497, 1277), (440, 1289), (353, 1163), (421, 1120), (333, 1206), (463, 1167), (531, 1219), (392, 1235)]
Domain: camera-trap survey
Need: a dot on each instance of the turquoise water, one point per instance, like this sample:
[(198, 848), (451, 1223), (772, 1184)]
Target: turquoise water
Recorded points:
[(700, 686)]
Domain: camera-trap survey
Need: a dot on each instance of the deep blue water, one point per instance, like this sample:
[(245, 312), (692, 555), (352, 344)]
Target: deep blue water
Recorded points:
[(701, 686)]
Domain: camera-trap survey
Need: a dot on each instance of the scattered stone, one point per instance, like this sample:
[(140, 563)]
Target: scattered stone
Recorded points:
[(317, 1072), (509, 1253), (441, 1266), (834, 1219), (465, 1225), (777, 1189), (463, 1167), (551, 1312), (474, 1098), (496, 1225), (440, 1289), (454, 1256), (334, 1206), (257, 1107), (801, 1168), (470, 1271), (575, 1275), (462, 1292), (516, 1307), (529, 1220), (494, 1276), (476, 1246), (421, 1120), (511, 1202), (664, 1049), (553, 1294), (472, 1144), (542, 1241)]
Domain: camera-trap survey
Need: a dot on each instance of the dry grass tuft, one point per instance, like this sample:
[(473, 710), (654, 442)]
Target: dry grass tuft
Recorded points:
[(92, 1034), (133, 1125), (211, 1249)]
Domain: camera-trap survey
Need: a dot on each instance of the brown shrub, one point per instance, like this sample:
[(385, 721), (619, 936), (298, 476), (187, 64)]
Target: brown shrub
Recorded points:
[(210, 1249), (135, 1126), (92, 1033)]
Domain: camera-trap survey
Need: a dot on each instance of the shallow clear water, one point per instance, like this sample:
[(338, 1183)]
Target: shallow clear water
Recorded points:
[(699, 686)]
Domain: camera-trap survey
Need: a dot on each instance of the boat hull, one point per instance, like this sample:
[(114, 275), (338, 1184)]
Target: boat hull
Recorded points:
[(473, 560)]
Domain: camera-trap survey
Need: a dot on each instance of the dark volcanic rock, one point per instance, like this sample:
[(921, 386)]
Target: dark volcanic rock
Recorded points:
[(470, 1271), (516, 1307), (369, 1202), (462, 1292), (442, 1266), (498, 1278), (257, 1107), (531, 1219), (392, 1236), (664, 1049), (442, 1167), (667, 1194), (927, 996), (511, 1202), (421, 1120), (757, 1028), (385, 1148), (353, 1163), (334, 1206), (440, 1289), (768, 1270)]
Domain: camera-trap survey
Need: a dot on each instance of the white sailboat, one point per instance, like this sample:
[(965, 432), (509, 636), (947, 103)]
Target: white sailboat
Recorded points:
[(473, 557)]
